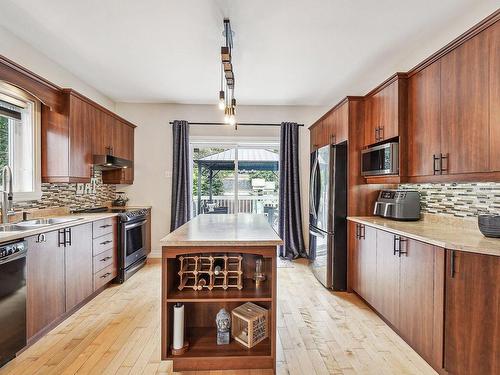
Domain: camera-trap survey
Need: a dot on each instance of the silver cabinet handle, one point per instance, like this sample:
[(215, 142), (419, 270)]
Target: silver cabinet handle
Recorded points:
[(105, 275), (105, 259), (105, 242), (105, 226)]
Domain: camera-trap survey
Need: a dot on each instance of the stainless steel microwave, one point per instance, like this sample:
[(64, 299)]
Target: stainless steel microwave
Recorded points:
[(380, 160)]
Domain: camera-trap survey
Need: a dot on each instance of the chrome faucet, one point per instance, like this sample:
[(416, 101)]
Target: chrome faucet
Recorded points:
[(7, 194)]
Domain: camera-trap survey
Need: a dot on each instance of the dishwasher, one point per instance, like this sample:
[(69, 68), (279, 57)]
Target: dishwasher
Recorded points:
[(12, 299)]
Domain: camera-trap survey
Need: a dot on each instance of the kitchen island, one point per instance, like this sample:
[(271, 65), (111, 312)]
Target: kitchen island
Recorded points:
[(209, 264)]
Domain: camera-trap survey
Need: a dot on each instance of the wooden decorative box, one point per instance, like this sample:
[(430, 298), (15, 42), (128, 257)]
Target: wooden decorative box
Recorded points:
[(249, 324)]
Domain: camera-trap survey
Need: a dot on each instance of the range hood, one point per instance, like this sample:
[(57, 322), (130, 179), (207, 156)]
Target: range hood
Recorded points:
[(109, 162)]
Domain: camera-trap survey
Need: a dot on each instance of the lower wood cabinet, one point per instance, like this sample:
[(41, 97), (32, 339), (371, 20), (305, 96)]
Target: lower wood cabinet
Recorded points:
[(62, 271), (45, 300), (363, 260), (403, 280), (79, 264), (472, 325)]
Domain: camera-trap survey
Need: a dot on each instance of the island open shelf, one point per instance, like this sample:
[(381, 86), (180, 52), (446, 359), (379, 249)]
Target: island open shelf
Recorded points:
[(202, 306)]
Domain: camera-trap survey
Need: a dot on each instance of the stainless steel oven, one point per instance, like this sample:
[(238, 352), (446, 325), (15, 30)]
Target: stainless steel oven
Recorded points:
[(132, 246), (380, 160)]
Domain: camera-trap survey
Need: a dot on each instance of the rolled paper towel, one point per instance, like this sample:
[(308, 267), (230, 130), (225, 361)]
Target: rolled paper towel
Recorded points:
[(178, 341)]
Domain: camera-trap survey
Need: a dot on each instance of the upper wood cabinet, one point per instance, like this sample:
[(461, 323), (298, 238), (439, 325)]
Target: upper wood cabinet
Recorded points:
[(385, 111), (317, 135), (465, 108), (472, 314), (71, 137), (424, 121), (66, 141), (494, 96)]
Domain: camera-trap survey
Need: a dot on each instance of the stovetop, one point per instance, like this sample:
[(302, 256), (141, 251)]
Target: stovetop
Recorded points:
[(125, 214)]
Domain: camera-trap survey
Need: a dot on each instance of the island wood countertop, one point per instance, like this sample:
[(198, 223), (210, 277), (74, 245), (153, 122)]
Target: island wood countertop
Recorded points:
[(449, 233), (224, 230)]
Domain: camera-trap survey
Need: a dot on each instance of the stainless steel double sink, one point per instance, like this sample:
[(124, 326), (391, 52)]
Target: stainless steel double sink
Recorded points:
[(37, 223)]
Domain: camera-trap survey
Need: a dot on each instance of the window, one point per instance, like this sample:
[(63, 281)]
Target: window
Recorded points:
[(20, 141), (232, 178)]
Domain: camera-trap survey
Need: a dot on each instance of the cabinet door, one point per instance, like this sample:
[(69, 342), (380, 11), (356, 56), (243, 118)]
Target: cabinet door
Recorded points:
[(472, 314), (329, 129), (316, 135), (79, 263), (421, 299), (371, 121), (367, 259), (494, 93), (45, 282), (341, 123), (80, 143), (464, 107), (101, 132), (388, 103), (424, 120), (387, 281)]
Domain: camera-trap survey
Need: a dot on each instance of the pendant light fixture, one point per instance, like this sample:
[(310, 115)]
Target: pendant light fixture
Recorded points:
[(227, 102)]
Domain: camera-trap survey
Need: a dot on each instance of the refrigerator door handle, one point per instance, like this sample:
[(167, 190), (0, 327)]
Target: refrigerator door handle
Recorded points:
[(312, 190)]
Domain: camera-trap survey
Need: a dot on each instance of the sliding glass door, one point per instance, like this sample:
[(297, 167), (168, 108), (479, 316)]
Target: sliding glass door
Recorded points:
[(236, 178)]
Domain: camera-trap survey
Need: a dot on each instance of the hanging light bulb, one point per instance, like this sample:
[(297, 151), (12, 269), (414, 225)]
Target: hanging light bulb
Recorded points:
[(222, 101), (227, 115), (232, 117)]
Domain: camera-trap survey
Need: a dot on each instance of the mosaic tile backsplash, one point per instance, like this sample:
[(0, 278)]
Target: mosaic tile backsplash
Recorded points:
[(458, 199), (65, 195)]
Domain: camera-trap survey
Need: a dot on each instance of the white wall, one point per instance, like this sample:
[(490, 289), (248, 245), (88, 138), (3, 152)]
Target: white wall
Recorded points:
[(30, 58), (153, 148)]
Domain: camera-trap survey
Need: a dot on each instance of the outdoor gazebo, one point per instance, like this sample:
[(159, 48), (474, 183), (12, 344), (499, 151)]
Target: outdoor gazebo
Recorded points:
[(249, 159)]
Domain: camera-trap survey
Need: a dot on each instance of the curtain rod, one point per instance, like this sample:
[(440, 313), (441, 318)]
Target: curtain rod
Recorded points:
[(238, 124)]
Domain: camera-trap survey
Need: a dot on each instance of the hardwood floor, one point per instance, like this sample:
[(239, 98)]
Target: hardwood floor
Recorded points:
[(319, 332)]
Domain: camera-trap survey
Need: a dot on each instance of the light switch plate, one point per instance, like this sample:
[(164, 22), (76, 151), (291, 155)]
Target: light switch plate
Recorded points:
[(88, 188), (80, 189)]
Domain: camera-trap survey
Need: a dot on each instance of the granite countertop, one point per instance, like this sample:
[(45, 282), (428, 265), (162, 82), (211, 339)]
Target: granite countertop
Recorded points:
[(224, 230), (446, 232), (83, 219)]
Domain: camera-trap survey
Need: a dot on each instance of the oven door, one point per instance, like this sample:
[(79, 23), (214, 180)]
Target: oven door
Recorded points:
[(134, 241), (380, 160)]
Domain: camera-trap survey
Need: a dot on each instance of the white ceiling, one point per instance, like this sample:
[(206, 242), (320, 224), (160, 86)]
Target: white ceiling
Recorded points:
[(287, 52)]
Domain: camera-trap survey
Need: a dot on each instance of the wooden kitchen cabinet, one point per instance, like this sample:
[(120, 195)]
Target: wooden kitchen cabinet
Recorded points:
[(403, 280), (387, 278), (385, 110), (120, 144), (79, 264), (364, 261), (465, 108), (317, 136), (45, 280), (494, 96), (424, 121), (472, 314), (66, 141), (421, 299)]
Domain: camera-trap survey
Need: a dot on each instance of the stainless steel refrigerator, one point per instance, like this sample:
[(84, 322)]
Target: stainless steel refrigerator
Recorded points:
[(327, 215)]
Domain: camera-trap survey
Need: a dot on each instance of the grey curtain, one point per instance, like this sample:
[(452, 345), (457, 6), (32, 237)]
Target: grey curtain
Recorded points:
[(290, 225), (181, 176)]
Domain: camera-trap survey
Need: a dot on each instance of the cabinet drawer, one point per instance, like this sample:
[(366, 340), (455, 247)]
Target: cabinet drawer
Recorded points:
[(103, 243), (104, 276), (103, 260), (102, 227)]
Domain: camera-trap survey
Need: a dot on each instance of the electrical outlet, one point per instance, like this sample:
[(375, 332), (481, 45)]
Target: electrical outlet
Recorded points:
[(80, 189), (93, 182), (88, 188)]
